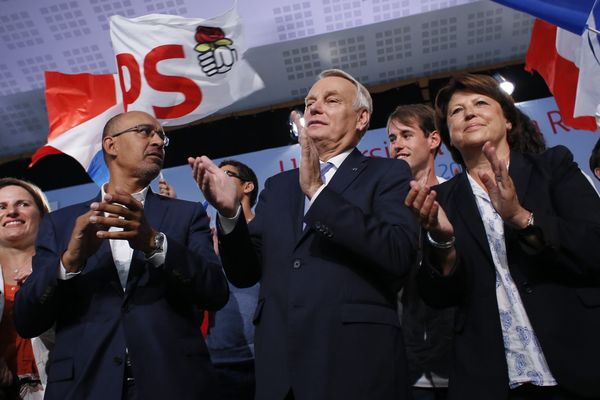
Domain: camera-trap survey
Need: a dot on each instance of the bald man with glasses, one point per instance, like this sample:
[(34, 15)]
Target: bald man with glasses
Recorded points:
[(125, 277)]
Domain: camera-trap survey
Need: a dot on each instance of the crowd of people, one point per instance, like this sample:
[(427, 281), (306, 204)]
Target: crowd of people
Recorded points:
[(350, 277)]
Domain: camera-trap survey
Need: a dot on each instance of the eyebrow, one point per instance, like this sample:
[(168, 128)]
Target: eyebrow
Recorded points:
[(326, 94), (17, 201), (395, 123)]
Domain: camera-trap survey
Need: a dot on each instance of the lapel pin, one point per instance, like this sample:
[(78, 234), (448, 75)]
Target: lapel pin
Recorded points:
[(354, 169)]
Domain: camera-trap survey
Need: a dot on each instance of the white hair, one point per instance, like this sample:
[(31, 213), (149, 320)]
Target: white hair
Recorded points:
[(363, 97)]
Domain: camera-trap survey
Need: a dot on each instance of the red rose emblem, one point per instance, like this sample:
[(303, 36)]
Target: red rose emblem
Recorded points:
[(207, 34)]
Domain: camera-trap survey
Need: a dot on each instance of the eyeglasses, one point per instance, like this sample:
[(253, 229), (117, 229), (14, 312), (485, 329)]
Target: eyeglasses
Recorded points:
[(146, 130), (234, 175)]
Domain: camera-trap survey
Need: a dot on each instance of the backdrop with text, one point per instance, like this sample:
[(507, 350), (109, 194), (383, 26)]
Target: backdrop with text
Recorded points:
[(375, 143)]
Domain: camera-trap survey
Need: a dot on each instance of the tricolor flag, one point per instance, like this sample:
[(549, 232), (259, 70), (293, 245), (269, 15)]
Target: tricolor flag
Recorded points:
[(78, 108), (178, 69), (565, 50)]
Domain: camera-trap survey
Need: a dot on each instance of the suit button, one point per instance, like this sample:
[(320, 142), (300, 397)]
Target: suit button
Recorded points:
[(117, 360), (318, 225), (297, 263), (126, 308), (528, 289)]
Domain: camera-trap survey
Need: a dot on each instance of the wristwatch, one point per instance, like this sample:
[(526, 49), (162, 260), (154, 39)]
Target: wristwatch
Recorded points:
[(159, 240)]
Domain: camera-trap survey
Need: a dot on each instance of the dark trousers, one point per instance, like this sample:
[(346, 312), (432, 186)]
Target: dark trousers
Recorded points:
[(532, 392), (429, 393), (236, 381)]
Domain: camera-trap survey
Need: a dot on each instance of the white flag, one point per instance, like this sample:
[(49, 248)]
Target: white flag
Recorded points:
[(181, 69), (588, 61)]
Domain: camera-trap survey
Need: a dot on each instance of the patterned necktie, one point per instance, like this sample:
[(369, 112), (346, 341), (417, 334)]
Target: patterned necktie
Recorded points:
[(324, 168)]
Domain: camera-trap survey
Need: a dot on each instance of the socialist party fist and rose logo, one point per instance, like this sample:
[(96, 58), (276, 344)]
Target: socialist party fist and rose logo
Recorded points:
[(216, 54)]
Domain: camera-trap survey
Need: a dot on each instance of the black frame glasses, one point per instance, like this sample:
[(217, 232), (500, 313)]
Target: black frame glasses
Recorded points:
[(147, 130), (234, 175)]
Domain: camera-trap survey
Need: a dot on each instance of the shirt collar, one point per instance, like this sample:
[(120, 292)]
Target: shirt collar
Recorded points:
[(139, 196), (477, 190), (338, 159)]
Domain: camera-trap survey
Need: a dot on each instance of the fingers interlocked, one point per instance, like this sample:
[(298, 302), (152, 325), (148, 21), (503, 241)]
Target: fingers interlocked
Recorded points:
[(121, 211)]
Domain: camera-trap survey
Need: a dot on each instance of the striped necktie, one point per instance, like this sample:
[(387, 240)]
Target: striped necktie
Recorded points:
[(324, 168)]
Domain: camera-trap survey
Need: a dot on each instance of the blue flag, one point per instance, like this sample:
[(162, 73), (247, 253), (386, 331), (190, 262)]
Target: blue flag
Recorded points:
[(571, 15)]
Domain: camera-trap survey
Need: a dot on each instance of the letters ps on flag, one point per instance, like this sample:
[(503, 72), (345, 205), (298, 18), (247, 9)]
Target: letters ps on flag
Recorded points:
[(177, 69), (181, 69)]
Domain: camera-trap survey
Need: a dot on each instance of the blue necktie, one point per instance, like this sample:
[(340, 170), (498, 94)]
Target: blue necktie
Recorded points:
[(324, 168)]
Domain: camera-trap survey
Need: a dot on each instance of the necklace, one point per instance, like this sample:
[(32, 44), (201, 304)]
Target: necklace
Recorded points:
[(17, 275)]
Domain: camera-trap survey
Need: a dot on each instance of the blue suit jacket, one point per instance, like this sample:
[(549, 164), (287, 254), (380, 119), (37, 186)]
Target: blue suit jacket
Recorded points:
[(326, 321), (157, 318), (559, 285)]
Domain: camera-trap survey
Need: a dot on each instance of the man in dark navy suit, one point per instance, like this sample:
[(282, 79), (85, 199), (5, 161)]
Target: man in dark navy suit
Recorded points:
[(330, 244), (124, 277)]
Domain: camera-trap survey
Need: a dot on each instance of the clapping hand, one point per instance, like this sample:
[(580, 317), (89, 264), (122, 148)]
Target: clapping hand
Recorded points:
[(421, 200), (217, 187), (118, 209), (165, 189), (501, 190), (310, 170)]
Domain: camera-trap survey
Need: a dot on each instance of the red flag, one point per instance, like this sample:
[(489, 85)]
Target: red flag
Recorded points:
[(71, 101), (556, 63)]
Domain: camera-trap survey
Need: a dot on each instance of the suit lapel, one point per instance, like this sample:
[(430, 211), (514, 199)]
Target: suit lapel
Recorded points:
[(465, 203), (298, 202), (154, 211), (350, 169), (103, 257), (520, 172)]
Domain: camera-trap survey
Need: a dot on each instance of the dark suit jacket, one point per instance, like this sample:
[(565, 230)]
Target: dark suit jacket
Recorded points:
[(559, 285), (326, 322), (157, 318)]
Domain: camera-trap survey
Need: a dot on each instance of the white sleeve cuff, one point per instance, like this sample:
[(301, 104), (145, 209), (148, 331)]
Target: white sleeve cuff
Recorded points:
[(227, 224), (63, 275), (158, 258), (311, 201)]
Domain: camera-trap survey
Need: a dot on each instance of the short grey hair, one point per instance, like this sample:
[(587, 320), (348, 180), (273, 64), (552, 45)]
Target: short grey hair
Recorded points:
[(363, 97)]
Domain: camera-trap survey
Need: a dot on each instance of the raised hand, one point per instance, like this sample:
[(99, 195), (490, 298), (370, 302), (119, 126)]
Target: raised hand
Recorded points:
[(501, 190), (218, 188), (165, 189), (310, 170), (83, 243), (421, 200)]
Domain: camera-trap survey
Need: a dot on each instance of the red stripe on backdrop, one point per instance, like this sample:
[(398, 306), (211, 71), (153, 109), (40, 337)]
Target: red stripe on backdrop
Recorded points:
[(560, 74), (72, 99)]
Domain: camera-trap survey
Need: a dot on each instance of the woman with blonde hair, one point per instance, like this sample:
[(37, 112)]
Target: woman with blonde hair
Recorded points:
[(22, 361)]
